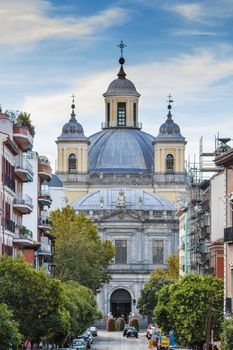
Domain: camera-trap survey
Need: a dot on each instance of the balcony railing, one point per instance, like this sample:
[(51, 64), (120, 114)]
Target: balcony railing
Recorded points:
[(106, 125), (9, 182), (45, 249), (44, 222), (23, 137), (24, 237), (24, 170), (44, 198), (23, 231), (228, 235), (132, 267), (23, 203)]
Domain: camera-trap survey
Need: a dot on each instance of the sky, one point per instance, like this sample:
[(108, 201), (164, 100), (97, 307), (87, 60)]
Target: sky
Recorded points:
[(50, 49)]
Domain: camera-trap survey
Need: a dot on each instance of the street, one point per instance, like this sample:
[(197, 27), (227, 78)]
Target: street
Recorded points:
[(115, 341)]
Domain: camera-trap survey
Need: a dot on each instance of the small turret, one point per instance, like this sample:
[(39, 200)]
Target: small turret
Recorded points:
[(72, 147)]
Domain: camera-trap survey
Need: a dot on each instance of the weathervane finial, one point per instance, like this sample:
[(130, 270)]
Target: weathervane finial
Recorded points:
[(121, 46)]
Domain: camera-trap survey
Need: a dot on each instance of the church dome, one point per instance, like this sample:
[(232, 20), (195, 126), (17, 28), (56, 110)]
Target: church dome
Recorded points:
[(121, 85), (169, 130), (116, 198), (121, 150), (72, 129)]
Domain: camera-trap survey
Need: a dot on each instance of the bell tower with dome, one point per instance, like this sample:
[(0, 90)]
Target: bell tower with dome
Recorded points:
[(121, 100), (169, 148), (72, 147)]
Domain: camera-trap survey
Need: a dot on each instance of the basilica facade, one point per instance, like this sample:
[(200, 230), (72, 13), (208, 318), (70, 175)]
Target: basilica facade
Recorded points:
[(127, 181)]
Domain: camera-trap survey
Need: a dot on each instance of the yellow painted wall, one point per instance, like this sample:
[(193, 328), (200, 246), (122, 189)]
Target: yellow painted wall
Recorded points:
[(79, 149), (129, 109), (162, 150), (73, 195)]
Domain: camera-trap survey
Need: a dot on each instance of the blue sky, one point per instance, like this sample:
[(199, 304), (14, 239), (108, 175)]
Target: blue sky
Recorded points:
[(52, 49)]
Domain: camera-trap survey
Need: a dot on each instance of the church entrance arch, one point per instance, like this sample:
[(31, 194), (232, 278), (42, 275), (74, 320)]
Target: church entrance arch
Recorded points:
[(120, 303)]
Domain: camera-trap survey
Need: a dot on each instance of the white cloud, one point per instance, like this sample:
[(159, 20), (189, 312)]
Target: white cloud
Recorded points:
[(193, 33), (205, 12), (189, 11), (190, 78), (28, 21)]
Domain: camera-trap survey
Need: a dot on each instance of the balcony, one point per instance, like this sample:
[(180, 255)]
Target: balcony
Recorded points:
[(44, 169), (24, 170), (23, 203), (45, 249), (9, 182), (10, 225), (44, 198), (228, 235), (23, 137), (44, 223), (131, 268), (24, 238)]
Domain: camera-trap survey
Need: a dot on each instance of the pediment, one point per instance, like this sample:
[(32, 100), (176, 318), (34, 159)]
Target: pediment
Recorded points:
[(121, 215)]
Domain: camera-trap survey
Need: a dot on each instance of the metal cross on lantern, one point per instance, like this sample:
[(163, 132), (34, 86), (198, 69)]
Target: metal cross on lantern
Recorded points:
[(121, 46)]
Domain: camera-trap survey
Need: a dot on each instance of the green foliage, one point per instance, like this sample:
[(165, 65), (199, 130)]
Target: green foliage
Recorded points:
[(111, 325), (133, 322), (24, 119), (35, 300), (228, 334), (80, 255), (172, 271), (120, 324), (158, 278), (82, 307), (184, 306), (9, 329), (149, 294)]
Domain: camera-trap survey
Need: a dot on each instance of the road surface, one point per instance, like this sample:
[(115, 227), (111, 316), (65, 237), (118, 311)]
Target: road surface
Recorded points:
[(115, 341)]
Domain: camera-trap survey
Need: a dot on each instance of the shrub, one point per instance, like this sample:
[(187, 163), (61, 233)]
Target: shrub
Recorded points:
[(120, 324), (111, 325), (228, 334), (134, 323)]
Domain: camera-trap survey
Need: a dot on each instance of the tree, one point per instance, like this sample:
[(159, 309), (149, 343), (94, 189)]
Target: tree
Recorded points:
[(228, 334), (80, 255), (81, 304), (172, 271), (9, 329), (24, 119), (149, 295), (36, 301), (185, 305), (158, 279)]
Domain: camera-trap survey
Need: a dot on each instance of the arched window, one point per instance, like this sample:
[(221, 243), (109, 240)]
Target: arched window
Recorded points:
[(72, 163), (121, 114), (169, 163)]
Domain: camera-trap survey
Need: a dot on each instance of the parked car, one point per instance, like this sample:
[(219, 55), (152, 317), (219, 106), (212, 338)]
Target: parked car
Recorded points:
[(125, 330), (132, 332), (93, 331), (88, 333), (79, 344), (86, 339)]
